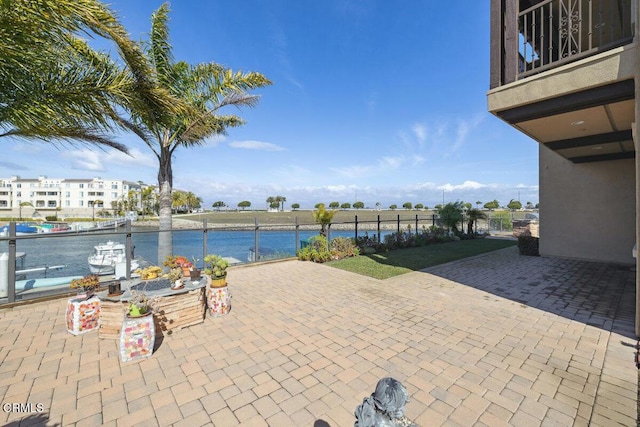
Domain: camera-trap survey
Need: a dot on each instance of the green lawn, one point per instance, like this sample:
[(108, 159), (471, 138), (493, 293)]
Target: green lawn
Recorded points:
[(394, 263)]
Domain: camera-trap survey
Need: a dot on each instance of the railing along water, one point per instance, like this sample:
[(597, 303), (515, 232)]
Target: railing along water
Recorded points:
[(357, 227), (553, 32)]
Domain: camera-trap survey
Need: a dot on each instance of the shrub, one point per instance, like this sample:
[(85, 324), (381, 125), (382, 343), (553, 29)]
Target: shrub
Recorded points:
[(316, 251), (343, 247)]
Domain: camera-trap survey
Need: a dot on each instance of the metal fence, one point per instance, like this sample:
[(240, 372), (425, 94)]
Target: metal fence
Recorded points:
[(207, 235)]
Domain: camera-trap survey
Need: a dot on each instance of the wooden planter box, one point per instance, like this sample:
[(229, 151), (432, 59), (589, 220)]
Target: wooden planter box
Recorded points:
[(176, 310)]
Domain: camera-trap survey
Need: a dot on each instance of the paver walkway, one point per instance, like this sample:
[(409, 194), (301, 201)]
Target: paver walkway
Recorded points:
[(494, 340)]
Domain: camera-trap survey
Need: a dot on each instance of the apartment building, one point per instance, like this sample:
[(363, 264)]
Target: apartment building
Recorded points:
[(67, 197), (567, 73)]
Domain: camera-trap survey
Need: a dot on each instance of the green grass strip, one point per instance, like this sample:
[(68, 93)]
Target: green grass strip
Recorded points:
[(401, 261)]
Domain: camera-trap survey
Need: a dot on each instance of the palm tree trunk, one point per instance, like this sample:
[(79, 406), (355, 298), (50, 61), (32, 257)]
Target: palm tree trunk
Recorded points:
[(165, 182)]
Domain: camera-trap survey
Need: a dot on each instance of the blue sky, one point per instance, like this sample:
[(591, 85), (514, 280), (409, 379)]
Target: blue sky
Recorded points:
[(377, 101)]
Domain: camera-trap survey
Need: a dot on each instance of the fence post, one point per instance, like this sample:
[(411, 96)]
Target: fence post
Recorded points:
[(11, 289), (205, 236), (356, 221), (398, 224), (256, 254), (128, 247), (433, 220), (378, 227), (297, 236), (328, 234), (416, 230)]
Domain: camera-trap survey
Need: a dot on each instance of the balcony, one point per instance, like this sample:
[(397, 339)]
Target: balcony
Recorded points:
[(544, 34), (563, 71)]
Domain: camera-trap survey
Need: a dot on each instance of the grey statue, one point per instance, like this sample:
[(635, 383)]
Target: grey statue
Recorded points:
[(385, 407)]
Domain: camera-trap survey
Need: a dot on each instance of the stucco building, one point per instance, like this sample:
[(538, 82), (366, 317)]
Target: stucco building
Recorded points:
[(66, 197), (566, 73)]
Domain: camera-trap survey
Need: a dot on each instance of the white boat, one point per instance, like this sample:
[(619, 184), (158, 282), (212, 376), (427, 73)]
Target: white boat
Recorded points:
[(105, 257)]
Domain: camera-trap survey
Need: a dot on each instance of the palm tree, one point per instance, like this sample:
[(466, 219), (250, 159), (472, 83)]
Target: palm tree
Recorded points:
[(178, 200), (203, 90), (22, 204), (473, 215), (323, 217), (450, 215), (192, 201), (53, 86)]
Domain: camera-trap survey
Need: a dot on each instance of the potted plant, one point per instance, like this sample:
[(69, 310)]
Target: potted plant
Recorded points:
[(195, 272), (181, 262), (175, 277), (88, 284), (216, 269), (141, 305), (149, 273)]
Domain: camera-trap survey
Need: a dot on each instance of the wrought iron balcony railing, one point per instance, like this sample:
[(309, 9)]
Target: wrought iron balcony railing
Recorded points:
[(553, 32)]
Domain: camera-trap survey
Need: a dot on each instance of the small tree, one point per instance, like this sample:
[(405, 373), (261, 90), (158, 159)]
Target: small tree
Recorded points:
[(473, 215), (323, 217), (295, 206), (419, 206), (450, 215), (492, 205), (467, 205), (317, 206), (514, 205), (358, 205), (407, 205), (334, 205), (346, 206), (244, 204), (393, 207), (219, 204), (529, 205)]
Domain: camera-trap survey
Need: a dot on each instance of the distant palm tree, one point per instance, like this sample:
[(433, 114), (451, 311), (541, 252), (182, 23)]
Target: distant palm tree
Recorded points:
[(22, 204), (201, 91), (473, 215)]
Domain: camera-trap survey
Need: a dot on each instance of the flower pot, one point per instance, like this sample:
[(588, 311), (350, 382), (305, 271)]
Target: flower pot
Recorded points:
[(135, 311), (195, 274), (114, 289), (218, 282), (186, 272)]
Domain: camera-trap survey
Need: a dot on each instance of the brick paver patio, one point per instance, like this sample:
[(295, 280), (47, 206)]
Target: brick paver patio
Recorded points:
[(493, 340)]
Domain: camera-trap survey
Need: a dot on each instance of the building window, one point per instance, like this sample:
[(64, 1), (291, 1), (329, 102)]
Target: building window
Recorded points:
[(114, 195), (114, 186), (81, 203), (18, 185), (3, 204), (67, 203), (67, 194), (51, 204), (82, 194), (39, 203), (52, 193), (18, 193), (81, 185)]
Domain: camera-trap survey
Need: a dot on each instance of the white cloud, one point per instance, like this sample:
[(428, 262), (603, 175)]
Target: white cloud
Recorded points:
[(86, 160), (256, 145), (420, 131), (467, 185), (97, 160)]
